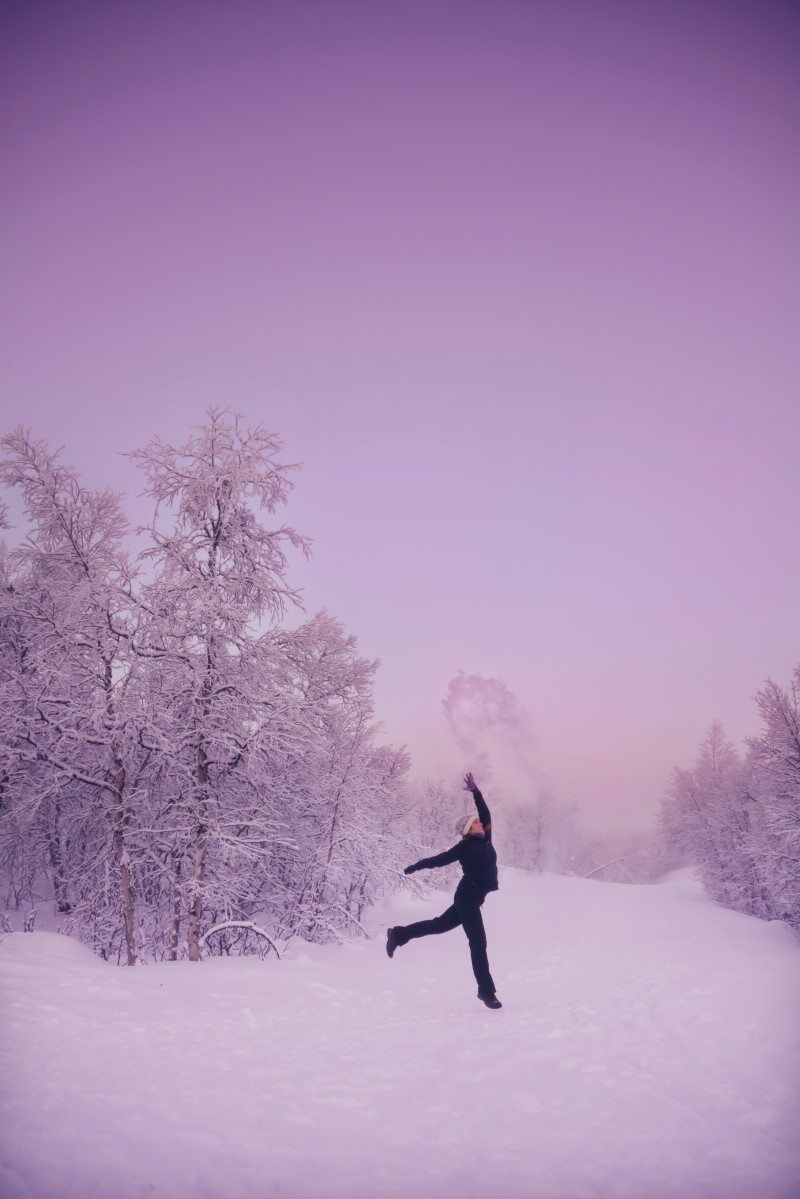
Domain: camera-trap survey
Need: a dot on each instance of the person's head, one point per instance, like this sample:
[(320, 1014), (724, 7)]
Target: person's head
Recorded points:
[(473, 828)]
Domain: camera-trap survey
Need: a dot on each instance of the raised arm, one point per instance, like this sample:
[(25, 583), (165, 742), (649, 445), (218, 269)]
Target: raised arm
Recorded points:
[(484, 815), (440, 859)]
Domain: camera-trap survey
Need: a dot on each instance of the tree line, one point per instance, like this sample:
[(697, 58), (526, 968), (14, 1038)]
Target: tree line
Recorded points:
[(191, 774), (737, 816), (188, 775)]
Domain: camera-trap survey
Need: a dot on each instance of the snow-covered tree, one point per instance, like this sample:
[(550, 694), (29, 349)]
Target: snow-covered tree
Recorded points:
[(775, 798), (542, 834), (739, 820), (700, 810), (348, 802), (182, 767), (219, 572), (66, 669)]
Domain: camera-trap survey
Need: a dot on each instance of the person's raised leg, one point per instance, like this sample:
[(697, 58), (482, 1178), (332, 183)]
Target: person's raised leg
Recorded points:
[(401, 933)]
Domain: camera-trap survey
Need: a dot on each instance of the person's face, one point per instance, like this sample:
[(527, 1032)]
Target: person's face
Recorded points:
[(476, 829)]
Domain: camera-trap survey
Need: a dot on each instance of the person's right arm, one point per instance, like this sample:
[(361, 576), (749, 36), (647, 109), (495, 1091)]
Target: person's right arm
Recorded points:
[(484, 815), (441, 859)]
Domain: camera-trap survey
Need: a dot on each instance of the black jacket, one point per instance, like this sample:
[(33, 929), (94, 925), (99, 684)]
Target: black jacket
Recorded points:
[(476, 854)]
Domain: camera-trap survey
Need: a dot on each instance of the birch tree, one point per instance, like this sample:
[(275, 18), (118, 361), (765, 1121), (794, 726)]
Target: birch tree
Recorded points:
[(70, 663), (219, 571)]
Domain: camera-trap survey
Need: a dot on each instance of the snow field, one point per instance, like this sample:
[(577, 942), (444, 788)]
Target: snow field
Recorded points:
[(649, 1045)]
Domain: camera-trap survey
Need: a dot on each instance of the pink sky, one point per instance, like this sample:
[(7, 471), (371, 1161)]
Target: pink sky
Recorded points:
[(516, 282)]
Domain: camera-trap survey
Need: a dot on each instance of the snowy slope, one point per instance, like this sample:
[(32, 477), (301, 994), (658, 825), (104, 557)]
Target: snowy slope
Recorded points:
[(649, 1046)]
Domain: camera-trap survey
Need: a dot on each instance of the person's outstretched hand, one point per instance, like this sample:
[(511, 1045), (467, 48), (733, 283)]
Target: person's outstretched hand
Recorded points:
[(408, 870), (469, 782)]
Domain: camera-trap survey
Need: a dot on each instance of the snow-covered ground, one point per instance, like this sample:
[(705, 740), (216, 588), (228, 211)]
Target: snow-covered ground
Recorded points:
[(649, 1046)]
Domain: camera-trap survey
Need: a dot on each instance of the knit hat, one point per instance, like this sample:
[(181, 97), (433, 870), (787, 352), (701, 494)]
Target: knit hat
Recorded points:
[(470, 821)]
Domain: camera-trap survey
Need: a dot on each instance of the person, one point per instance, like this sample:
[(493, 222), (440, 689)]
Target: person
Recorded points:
[(478, 860)]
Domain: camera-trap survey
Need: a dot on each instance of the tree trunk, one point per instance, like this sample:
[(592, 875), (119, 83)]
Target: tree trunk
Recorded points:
[(176, 912), (199, 862), (53, 835), (119, 820), (123, 866), (201, 831)]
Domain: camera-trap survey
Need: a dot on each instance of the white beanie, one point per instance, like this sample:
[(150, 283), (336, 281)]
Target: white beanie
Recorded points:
[(470, 821)]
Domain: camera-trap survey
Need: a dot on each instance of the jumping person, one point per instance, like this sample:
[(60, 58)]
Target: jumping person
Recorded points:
[(478, 860)]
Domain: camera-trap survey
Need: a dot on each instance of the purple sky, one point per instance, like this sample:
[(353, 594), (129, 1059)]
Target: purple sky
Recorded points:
[(516, 282)]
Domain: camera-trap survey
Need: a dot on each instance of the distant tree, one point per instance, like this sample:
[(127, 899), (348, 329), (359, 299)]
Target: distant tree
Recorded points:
[(700, 808), (437, 812), (542, 835), (639, 856)]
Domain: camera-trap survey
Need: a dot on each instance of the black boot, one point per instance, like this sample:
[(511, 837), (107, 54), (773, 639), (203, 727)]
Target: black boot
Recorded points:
[(391, 941), (490, 1000)]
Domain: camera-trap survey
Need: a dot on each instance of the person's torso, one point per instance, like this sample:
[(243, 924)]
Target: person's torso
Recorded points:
[(479, 862)]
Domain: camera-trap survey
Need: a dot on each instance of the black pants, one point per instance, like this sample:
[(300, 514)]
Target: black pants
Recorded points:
[(466, 911)]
